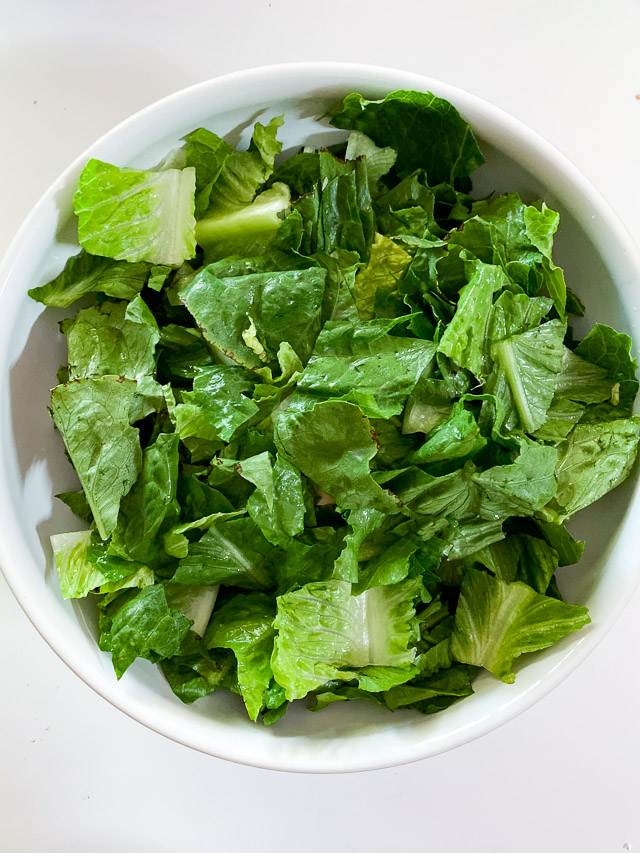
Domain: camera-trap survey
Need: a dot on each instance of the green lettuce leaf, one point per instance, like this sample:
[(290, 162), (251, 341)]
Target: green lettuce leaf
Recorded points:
[(133, 215), (78, 576), (379, 160), (207, 153), (433, 693), (232, 552), (196, 602), (93, 418), (496, 622), (464, 339), (224, 392), (196, 675), (112, 339), (457, 438), (322, 628), (403, 120), (247, 230), (345, 219), (594, 459), (332, 444), (141, 624), (84, 273), (277, 504), (245, 172), (244, 624), (362, 522), (150, 505), (527, 366), (377, 373), (280, 307), (611, 351), (581, 381), (386, 264)]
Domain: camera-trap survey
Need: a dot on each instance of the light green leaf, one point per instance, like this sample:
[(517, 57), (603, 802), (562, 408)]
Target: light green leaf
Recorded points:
[(277, 504), (594, 459), (133, 215), (110, 339), (362, 522), (77, 575), (195, 602), (458, 437), (247, 230), (322, 628), (386, 264), (496, 622), (244, 172), (379, 160), (530, 363)]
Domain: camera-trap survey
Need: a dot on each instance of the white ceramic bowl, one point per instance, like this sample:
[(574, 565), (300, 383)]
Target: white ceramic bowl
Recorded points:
[(601, 264)]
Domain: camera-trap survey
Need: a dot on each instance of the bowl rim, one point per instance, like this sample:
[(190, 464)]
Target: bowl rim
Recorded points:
[(10, 540)]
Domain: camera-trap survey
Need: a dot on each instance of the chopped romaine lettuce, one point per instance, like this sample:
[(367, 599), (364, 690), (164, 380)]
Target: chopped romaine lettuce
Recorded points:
[(328, 416)]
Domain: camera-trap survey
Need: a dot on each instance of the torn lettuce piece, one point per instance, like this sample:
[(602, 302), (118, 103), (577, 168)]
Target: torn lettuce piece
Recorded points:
[(140, 623), (84, 273), (208, 154), (135, 215), (282, 306), (195, 675), (345, 219), (332, 444), (195, 602), (581, 381), (93, 418), (379, 160), (362, 522), (325, 632), (457, 438), (611, 351), (150, 505), (244, 172), (78, 576), (377, 374), (464, 339), (403, 120), (387, 262), (245, 231), (77, 503), (244, 624), (112, 338), (224, 392), (594, 459), (496, 622), (232, 552), (176, 543), (527, 366), (277, 504)]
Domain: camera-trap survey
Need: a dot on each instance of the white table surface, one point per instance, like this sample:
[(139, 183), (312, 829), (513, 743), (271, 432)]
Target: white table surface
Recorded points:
[(76, 775)]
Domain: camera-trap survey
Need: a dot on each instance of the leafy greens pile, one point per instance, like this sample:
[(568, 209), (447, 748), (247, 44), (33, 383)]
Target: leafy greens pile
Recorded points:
[(328, 416)]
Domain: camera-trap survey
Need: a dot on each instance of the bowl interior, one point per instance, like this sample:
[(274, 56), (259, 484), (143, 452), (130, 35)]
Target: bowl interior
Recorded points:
[(599, 266)]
